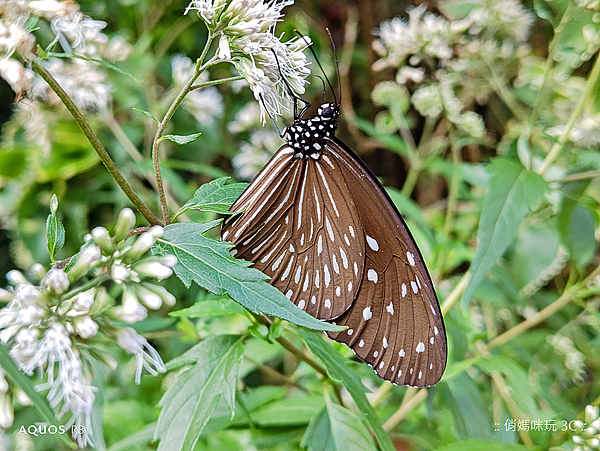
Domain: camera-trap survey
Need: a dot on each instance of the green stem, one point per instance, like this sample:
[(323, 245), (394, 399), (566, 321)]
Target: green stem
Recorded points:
[(163, 125), (411, 180), (558, 147), (454, 186), (96, 144), (550, 61), (96, 282), (216, 82)]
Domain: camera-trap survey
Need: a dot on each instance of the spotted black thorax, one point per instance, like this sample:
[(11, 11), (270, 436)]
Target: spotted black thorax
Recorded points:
[(307, 136)]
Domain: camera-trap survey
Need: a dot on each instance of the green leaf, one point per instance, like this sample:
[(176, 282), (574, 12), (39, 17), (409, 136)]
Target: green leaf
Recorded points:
[(576, 223), (208, 263), (288, 411), (97, 61), (190, 401), (214, 196), (483, 445), (470, 414), (181, 139), (148, 113), (338, 368), (336, 428), (55, 231), (512, 193), (210, 308)]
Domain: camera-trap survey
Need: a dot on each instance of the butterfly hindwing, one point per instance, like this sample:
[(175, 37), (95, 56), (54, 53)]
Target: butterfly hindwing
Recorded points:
[(395, 324)]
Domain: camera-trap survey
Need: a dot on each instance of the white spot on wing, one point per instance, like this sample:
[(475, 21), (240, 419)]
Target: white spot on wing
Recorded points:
[(349, 286), (381, 364), (305, 287), (338, 291), (317, 281), (327, 303), (297, 276), (344, 258), (346, 239), (361, 343), (420, 374), (329, 229), (431, 340), (288, 269), (376, 353), (414, 286), (326, 275), (401, 353), (336, 267), (320, 245), (403, 290), (420, 347), (301, 304), (390, 308), (278, 261), (372, 275), (350, 331), (411, 258), (313, 300), (435, 330), (351, 229), (372, 242), (385, 342), (355, 269), (289, 294), (367, 313)]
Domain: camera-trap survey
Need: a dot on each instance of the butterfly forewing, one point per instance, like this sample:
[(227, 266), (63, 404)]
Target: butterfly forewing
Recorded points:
[(292, 230), (395, 324)]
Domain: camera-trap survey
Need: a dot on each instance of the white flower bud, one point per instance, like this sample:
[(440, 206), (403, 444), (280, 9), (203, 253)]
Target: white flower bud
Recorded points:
[(168, 260), (83, 301), (27, 294), (6, 295), (578, 440), (224, 52), (86, 327), (6, 413), (138, 315), (26, 338), (591, 431), (119, 272), (150, 299), (153, 268), (142, 244), (125, 222), (56, 281), (57, 338), (15, 277), (88, 257), (38, 270), (594, 443), (156, 231), (578, 424), (3, 384), (130, 301), (166, 297), (102, 237), (591, 413)]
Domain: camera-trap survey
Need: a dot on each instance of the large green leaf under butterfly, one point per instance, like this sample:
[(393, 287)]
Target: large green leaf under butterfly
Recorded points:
[(317, 221)]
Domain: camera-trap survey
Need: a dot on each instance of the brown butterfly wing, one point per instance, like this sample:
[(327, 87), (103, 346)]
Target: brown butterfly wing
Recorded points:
[(301, 227), (395, 323)]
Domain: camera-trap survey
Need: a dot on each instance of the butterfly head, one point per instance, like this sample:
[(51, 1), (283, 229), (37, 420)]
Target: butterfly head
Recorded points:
[(307, 136)]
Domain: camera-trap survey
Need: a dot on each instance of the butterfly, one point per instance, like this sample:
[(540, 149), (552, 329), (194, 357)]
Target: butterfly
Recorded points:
[(317, 221)]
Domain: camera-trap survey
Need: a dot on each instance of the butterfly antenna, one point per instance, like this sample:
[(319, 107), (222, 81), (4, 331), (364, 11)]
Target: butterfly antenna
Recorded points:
[(324, 86), (290, 91), (337, 64), (319, 63)]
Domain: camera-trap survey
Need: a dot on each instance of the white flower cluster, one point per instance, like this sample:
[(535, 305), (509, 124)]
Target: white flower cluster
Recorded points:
[(588, 437), (439, 59), (204, 104), (574, 360), (45, 325), (245, 30)]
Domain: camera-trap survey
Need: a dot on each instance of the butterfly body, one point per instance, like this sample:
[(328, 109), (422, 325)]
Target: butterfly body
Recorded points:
[(317, 221)]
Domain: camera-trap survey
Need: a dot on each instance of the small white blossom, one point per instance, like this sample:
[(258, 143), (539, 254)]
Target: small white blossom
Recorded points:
[(146, 355), (83, 301), (125, 222), (428, 101), (56, 281), (86, 327), (119, 272), (153, 268), (27, 294)]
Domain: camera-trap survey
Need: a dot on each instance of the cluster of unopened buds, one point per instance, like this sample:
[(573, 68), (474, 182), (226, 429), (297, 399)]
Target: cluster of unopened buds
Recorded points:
[(588, 439), (45, 325)]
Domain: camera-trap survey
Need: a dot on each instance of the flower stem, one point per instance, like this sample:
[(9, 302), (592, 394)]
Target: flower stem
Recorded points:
[(557, 148), (216, 82), (163, 125), (549, 61), (96, 144)]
